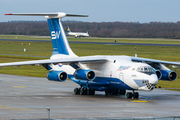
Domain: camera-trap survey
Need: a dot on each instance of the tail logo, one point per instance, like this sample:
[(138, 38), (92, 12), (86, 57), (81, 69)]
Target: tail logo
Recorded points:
[(55, 35)]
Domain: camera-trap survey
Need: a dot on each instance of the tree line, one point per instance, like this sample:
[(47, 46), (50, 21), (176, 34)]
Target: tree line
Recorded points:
[(97, 29)]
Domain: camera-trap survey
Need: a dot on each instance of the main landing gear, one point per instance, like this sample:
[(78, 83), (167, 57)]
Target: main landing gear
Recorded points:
[(134, 95), (84, 91), (116, 92), (90, 91), (129, 95)]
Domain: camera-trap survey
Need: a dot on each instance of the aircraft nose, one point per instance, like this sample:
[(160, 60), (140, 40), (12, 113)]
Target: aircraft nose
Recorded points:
[(151, 84), (153, 79)]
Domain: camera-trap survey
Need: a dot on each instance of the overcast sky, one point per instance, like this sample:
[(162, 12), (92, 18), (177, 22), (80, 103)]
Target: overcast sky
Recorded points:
[(142, 11)]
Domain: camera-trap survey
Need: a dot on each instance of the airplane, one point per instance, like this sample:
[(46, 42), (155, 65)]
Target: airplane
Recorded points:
[(76, 34), (111, 74)]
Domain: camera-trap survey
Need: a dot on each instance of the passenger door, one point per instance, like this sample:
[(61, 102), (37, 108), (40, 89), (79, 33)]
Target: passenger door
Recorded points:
[(121, 77)]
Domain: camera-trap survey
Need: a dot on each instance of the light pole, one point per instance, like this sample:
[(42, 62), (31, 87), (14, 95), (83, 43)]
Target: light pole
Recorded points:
[(135, 52), (24, 48), (48, 109)]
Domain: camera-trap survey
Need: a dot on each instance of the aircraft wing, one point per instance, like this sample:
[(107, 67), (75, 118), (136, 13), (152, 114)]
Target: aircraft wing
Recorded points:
[(56, 61), (138, 59), (83, 59)]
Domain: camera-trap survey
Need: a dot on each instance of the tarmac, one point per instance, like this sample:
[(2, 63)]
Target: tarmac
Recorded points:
[(28, 98)]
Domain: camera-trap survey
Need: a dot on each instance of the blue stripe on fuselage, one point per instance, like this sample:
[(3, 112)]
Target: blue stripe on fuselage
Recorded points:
[(102, 83)]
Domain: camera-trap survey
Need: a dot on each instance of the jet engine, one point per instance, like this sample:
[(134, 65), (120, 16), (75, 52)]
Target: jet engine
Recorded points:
[(159, 74), (84, 74), (57, 76), (164, 73), (168, 75)]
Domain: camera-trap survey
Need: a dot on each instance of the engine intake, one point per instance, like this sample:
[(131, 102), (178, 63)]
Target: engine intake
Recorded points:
[(168, 75), (57, 76), (159, 74), (84, 74)]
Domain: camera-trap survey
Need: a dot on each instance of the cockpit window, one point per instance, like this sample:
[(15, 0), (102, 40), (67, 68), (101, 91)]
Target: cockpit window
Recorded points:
[(145, 69)]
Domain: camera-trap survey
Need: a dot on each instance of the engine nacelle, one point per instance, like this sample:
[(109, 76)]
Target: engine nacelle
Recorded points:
[(159, 74), (168, 75), (57, 76), (84, 74)]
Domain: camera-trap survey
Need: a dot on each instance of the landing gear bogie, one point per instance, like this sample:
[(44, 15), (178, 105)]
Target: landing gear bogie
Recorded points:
[(84, 91), (130, 95), (115, 92)]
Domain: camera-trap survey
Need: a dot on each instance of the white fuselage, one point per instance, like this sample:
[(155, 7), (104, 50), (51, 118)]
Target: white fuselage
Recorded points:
[(138, 76)]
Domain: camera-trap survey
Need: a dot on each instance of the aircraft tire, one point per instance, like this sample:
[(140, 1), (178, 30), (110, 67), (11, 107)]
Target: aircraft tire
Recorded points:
[(91, 91), (135, 95), (81, 92), (116, 92), (106, 93), (76, 91), (123, 92), (129, 95), (85, 91)]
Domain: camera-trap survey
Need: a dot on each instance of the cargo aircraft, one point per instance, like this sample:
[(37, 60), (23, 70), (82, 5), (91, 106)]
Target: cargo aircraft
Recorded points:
[(76, 34), (112, 74)]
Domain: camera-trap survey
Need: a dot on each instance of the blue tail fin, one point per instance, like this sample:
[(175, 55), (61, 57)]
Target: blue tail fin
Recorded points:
[(68, 29), (58, 36)]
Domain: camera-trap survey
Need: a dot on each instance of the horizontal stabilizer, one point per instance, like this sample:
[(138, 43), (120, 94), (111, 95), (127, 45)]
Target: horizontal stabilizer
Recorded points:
[(72, 15), (48, 15)]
